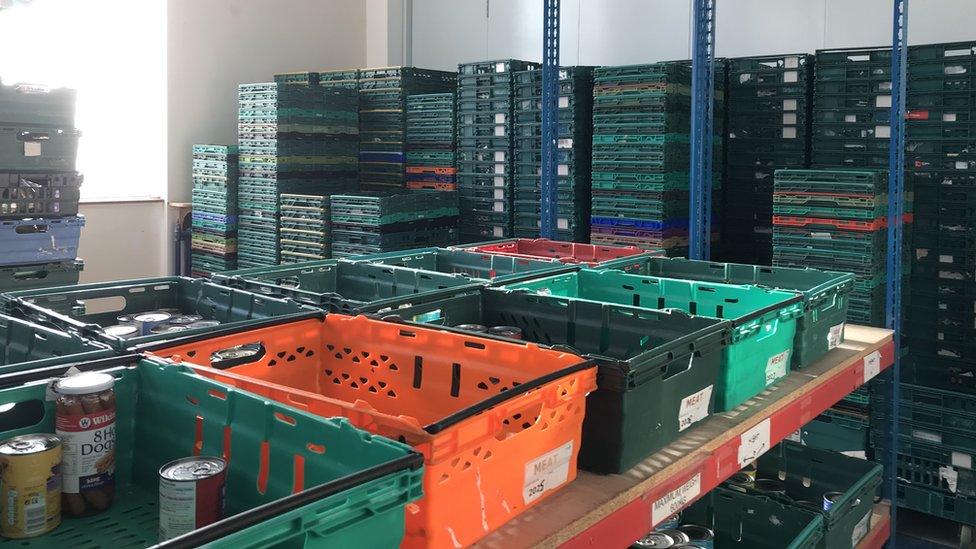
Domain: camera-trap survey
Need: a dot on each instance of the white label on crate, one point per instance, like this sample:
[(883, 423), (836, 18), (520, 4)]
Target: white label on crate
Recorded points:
[(676, 499), (562, 169), (499, 207), (500, 156), (789, 133), (927, 436), (498, 231), (882, 132), (566, 143), (861, 530), (563, 102), (792, 62), (499, 181), (859, 454), (885, 86), (500, 169), (962, 165), (776, 366), (694, 408), (882, 101), (835, 336), (790, 76), (32, 148), (945, 258), (795, 436), (789, 118), (499, 194), (754, 443), (500, 117), (850, 118), (499, 131), (823, 236), (790, 104), (744, 77), (547, 472), (500, 67), (963, 461), (951, 476), (872, 365), (562, 223), (949, 117)]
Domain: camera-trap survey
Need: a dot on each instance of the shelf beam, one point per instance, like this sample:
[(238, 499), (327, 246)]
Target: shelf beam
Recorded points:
[(702, 106), (550, 118)]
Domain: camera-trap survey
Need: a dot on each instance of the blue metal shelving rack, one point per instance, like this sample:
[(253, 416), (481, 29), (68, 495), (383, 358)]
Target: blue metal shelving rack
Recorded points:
[(550, 117), (702, 105)]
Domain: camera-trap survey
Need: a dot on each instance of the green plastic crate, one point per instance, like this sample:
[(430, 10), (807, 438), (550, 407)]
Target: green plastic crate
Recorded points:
[(28, 346), (753, 521), (27, 277), (837, 431), (88, 308), (657, 369), (352, 494), (763, 320), (825, 294), (480, 267)]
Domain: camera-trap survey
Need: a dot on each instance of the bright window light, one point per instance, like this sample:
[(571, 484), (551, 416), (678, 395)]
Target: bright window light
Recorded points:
[(114, 53)]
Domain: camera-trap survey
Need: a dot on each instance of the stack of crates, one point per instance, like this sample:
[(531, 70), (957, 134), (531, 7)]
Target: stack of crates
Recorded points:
[(852, 108), (305, 228), (382, 120), (39, 188), (485, 147), (304, 78), (430, 142), (373, 222), (213, 242), (294, 139), (769, 104), (573, 144), (339, 79)]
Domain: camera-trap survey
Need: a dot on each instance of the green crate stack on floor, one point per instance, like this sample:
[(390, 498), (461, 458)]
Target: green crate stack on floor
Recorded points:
[(293, 139), (852, 108), (305, 228), (769, 110), (486, 147), (383, 96), (387, 221), (573, 152), (213, 241), (339, 79), (430, 142)]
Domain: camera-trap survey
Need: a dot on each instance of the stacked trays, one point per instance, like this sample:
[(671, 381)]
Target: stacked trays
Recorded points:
[(852, 108), (39, 189), (375, 222), (214, 218), (304, 228), (382, 120), (430, 142), (485, 147), (836, 220), (294, 139), (339, 79), (768, 129), (305, 78), (572, 156)]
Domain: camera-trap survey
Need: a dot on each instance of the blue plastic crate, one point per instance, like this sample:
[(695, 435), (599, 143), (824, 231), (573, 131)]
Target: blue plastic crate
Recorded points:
[(26, 241)]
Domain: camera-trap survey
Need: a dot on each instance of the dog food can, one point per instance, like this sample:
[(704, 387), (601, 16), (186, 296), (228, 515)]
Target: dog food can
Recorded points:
[(191, 494), (146, 322), (30, 485)]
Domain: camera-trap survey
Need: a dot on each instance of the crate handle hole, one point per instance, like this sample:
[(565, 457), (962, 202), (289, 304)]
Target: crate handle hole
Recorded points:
[(111, 304), (315, 448), (285, 419), (30, 229), (18, 415)]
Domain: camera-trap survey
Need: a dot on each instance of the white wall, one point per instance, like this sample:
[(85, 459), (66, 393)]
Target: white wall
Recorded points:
[(124, 240), (616, 32)]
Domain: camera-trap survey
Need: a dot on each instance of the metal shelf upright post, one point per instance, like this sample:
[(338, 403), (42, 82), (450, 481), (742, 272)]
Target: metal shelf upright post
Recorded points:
[(702, 106), (550, 117)]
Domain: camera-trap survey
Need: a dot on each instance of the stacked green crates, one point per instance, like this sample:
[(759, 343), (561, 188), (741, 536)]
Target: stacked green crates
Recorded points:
[(485, 147), (852, 108), (339, 79), (769, 102), (374, 222), (430, 142), (293, 138), (382, 120), (213, 240), (305, 228), (573, 149)]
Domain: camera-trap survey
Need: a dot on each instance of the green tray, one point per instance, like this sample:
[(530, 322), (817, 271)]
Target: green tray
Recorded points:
[(27, 346), (353, 494), (764, 320), (480, 267)]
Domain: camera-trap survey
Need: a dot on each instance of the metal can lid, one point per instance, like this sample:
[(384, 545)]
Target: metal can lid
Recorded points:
[(696, 532), (84, 383), (677, 535), (124, 319), (203, 324), (504, 330), (183, 320), (120, 330), (833, 496), (168, 329), (193, 468), (472, 327), (34, 443), (240, 351), (152, 317), (656, 540)]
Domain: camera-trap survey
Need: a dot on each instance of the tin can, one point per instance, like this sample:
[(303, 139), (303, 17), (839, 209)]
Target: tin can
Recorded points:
[(203, 324), (511, 332), (168, 329), (699, 535), (692, 546), (30, 477), (147, 321), (121, 330), (191, 494), (830, 498), (670, 523), (473, 328), (654, 540), (741, 479), (185, 320), (750, 471), (124, 319), (678, 536), (769, 486)]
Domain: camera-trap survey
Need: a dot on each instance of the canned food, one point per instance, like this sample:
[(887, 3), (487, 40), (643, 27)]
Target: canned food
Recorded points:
[(121, 330), (234, 356), (203, 324), (750, 471), (654, 540), (147, 321), (124, 319), (191, 494), (30, 477), (511, 332), (691, 546), (769, 486), (168, 329), (670, 523), (678, 536), (473, 328), (698, 535), (741, 479), (830, 498), (184, 320)]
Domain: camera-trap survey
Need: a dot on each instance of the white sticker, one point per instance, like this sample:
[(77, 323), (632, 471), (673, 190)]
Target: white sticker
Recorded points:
[(789, 118), (500, 168), (945, 258), (562, 169), (563, 102), (789, 133), (499, 131), (883, 132), (790, 76), (498, 231), (776, 366), (547, 472), (963, 461), (949, 117), (927, 436), (566, 143), (791, 62), (872, 365), (499, 180), (32, 148), (962, 165), (562, 223), (694, 408), (822, 236), (835, 336), (859, 454), (499, 207), (861, 530), (882, 101), (951, 476), (754, 443), (790, 104), (850, 118), (500, 156), (795, 436), (500, 67), (500, 117), (499, 194), (675, 500)]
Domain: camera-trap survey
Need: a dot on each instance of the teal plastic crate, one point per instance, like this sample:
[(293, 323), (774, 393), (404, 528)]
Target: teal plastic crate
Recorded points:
[(26, 346), (825, 294), (336, 486), (837, 431), (763, 320)]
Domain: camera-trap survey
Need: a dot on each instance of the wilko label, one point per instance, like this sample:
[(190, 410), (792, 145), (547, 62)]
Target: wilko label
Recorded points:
[(694, 408), (776, 366), (676, 499), (547, 472), (89, 450)]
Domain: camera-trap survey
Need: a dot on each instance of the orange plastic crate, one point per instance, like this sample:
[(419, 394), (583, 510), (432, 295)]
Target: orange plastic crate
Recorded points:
[(431, 185), (498, 423), (433, 170)]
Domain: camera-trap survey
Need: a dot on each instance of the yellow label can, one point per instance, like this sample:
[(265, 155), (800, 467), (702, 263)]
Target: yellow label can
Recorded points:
[(30, 485)]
